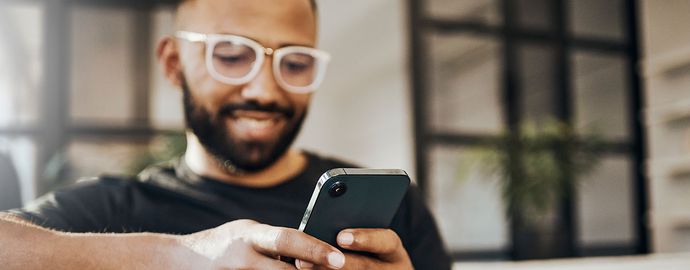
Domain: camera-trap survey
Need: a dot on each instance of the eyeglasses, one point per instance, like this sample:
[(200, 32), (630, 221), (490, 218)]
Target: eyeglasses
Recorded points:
[(237, 60)]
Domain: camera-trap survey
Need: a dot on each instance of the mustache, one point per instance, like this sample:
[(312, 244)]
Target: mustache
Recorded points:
[(230, 108)]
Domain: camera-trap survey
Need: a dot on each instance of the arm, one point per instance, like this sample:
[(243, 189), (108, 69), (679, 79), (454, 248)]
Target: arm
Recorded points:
[(27, 246), (237, 244)]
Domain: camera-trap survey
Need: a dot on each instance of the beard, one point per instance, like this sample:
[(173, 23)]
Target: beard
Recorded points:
[(237, 156)]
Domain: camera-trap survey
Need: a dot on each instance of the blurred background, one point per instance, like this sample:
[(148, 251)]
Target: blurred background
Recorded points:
[(535, 128)]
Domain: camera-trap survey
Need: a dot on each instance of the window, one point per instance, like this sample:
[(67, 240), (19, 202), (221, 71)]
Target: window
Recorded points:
[(77, 81), (482, 68)]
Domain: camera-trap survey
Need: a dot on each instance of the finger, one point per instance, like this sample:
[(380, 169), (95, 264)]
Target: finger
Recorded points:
[(250, 259), (303, 265), (356, 261), (293, 243), (383, 242), (270, 263)]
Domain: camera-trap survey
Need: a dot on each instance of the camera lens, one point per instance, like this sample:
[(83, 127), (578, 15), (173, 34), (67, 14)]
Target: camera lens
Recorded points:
[(337, 189)]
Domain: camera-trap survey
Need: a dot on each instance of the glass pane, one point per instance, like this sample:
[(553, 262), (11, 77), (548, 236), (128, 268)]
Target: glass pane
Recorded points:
[(102, 65), (21, 63), (465, 84), (535, 14), (484, 11), (166, 100), (537, 81), (466, 201), (605, 205), (17, 171), (601, 94), (596, 18)]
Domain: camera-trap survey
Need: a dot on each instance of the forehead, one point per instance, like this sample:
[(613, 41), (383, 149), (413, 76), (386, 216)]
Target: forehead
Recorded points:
[(271, 22)]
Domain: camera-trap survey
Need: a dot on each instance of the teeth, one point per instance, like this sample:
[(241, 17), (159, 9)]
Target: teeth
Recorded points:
[(255, 123)]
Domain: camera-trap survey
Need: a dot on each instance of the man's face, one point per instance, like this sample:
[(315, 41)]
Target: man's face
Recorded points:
[(249, 125)]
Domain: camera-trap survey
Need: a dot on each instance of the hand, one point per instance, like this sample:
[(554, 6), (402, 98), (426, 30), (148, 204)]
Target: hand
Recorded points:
[(385, 245), (246, 244)]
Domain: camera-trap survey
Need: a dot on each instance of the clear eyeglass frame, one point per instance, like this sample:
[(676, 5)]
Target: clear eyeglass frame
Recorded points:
[(211, 40)]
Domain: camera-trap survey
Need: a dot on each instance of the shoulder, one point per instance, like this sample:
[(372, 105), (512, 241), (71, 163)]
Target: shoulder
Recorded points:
[(91, 191), (168, 169), (99, 183), (317, 165), (327, 162), (87, 205)]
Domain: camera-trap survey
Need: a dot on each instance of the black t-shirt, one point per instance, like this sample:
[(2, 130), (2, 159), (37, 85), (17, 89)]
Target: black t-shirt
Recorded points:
[(170, 198)]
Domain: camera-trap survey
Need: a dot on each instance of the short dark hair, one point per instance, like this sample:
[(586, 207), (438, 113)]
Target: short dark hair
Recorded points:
[(312, 2)]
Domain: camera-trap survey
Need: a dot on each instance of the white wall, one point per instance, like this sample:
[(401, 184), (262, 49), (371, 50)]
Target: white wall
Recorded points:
[(363, 112), (666, 46)]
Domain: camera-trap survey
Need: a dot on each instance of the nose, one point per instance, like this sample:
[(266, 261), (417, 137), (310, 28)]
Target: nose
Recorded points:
[(263, 88)]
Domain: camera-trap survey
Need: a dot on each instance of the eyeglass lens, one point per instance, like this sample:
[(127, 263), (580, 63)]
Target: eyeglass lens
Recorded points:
[(233, 60), (236, 59), (298, 69)]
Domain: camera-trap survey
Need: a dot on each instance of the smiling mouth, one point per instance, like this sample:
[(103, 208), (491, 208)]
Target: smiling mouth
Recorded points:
[(257, 125), (256, 115)]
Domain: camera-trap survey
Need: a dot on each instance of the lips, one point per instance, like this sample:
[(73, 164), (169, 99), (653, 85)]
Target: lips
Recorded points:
[(257, 125), (258, 115)]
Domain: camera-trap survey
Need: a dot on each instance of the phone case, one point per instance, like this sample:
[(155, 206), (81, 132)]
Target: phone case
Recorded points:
[(371, 199)]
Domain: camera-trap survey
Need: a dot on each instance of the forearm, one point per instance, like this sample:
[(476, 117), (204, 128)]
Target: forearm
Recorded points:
[(26, 246)]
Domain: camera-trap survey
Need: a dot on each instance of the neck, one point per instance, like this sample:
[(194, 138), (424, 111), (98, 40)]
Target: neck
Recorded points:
[(204, 163)]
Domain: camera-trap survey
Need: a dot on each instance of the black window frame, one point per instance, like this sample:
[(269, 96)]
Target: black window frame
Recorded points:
[(54, 129), (509, 35)]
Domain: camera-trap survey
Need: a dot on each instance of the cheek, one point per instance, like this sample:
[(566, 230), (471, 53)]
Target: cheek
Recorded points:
[(301, 102), (212, 94), (204, 88), (193, 62)]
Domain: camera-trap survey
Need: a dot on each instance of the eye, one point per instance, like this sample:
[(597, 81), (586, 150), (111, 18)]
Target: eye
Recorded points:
[(296, 66), (297, 63), (232, 54), (232, 59)]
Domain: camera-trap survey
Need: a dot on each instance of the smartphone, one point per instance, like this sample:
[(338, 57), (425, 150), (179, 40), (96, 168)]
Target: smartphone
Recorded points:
[(353, 198)]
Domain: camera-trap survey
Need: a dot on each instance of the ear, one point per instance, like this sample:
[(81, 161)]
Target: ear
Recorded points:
[(169, 60)]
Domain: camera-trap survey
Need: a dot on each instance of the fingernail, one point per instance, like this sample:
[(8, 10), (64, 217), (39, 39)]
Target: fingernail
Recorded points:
[(346, 238), (336, 259), (304, 265)]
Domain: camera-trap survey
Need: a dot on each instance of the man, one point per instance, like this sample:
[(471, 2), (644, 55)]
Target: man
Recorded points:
[(247, 70)]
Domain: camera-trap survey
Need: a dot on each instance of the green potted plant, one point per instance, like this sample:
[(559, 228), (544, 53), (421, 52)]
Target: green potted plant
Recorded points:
[(539, 167), (162, 148)]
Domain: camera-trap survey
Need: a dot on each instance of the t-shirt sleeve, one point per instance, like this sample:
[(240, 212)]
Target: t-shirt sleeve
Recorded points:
[(87, 206), (419, 233)]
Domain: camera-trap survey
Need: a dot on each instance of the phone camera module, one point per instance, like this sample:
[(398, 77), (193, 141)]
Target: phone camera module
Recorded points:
[(337, 189)]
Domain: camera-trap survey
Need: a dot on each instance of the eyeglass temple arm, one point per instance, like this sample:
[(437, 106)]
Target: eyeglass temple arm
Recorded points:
[(191, 36)]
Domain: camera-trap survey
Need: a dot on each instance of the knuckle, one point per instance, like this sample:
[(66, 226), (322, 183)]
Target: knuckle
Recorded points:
[(360, 238), (316, 252), (393, 235), (239, 224), (246, 222), (395, 241), (283, 239)]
